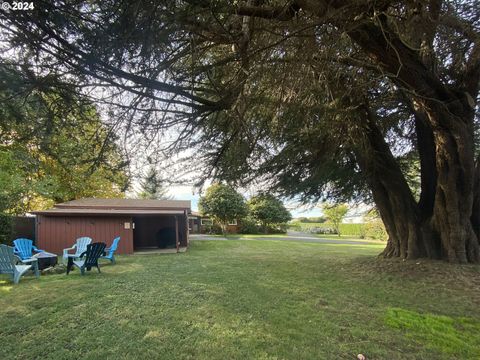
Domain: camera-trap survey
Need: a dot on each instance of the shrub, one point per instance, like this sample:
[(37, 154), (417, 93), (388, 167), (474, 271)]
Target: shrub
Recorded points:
[(214, 229), (249, 226), (375, 229), (295, 226), (351, 229), (6, 228), (327, 228), (363, 231), (319, 219), (277, 229), (322, 230)]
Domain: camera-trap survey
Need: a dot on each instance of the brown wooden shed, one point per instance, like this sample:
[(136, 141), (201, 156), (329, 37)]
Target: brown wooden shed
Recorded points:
[(141, 224)]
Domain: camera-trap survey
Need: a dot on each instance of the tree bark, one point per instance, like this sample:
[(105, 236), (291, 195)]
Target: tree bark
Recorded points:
[(449, 114), (454, 194), (475, 219), (391, 193), (428, 181)]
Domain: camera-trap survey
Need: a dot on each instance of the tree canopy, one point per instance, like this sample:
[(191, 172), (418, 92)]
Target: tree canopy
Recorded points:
[(222, 203), (153, 186), (335, 214), (314, 99), (268, 210), (53, 147)]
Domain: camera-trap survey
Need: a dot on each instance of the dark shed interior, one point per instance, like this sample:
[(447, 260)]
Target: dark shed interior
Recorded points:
[(159, 232)]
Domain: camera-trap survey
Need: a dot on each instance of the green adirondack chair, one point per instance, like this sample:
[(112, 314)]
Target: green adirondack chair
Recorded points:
[(9, 261)]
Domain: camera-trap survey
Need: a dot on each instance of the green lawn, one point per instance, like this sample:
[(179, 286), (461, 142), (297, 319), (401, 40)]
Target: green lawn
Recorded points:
[(247, 300), (253, 236), (349, 238), (320, 236)]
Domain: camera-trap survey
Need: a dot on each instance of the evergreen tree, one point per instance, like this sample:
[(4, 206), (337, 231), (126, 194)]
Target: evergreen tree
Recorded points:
[(153, 187)]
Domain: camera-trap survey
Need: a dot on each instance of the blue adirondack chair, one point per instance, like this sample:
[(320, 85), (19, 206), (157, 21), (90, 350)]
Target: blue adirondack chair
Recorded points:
[(8, 264), (80, 247), (111, 250), (24, 248), (93, 253)]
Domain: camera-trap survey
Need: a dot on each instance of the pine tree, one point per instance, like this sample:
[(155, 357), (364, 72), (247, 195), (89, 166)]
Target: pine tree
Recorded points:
[(153, 186)]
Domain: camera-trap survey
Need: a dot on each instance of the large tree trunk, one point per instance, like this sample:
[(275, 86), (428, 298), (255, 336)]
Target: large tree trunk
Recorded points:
[(449, 115), (390, 191), (435, 227), (476, 200), (428, 176), (454, 192), (445, 222)]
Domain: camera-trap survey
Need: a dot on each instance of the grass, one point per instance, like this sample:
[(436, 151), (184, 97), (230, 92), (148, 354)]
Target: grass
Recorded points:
[(454, 335), (247, 300), (253, 236), (320, 236), (349, 238)]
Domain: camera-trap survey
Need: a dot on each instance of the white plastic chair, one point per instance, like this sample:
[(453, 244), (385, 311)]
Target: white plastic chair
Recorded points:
[(80, 247)]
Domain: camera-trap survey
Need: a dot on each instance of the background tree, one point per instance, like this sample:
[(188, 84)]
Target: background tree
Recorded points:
[(12, 182), (153, 187), (268, 210), (53, 146), (314, 98), (223, 204), (335, 214)]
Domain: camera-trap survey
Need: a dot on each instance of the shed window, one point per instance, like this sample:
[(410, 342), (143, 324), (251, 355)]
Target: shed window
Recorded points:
[(233, 222)]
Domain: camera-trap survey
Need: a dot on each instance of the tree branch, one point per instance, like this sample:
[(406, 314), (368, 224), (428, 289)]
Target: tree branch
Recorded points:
[(281, 13)]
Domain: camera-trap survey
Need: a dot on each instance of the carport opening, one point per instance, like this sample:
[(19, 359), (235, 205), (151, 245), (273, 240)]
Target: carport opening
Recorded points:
[(154, 232)]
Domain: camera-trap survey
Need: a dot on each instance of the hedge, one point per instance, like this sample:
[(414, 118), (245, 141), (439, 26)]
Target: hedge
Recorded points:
[(372, 229)]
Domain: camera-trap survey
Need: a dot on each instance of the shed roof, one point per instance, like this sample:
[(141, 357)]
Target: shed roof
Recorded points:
[(91, 206), (125, 204), (90, 211)]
